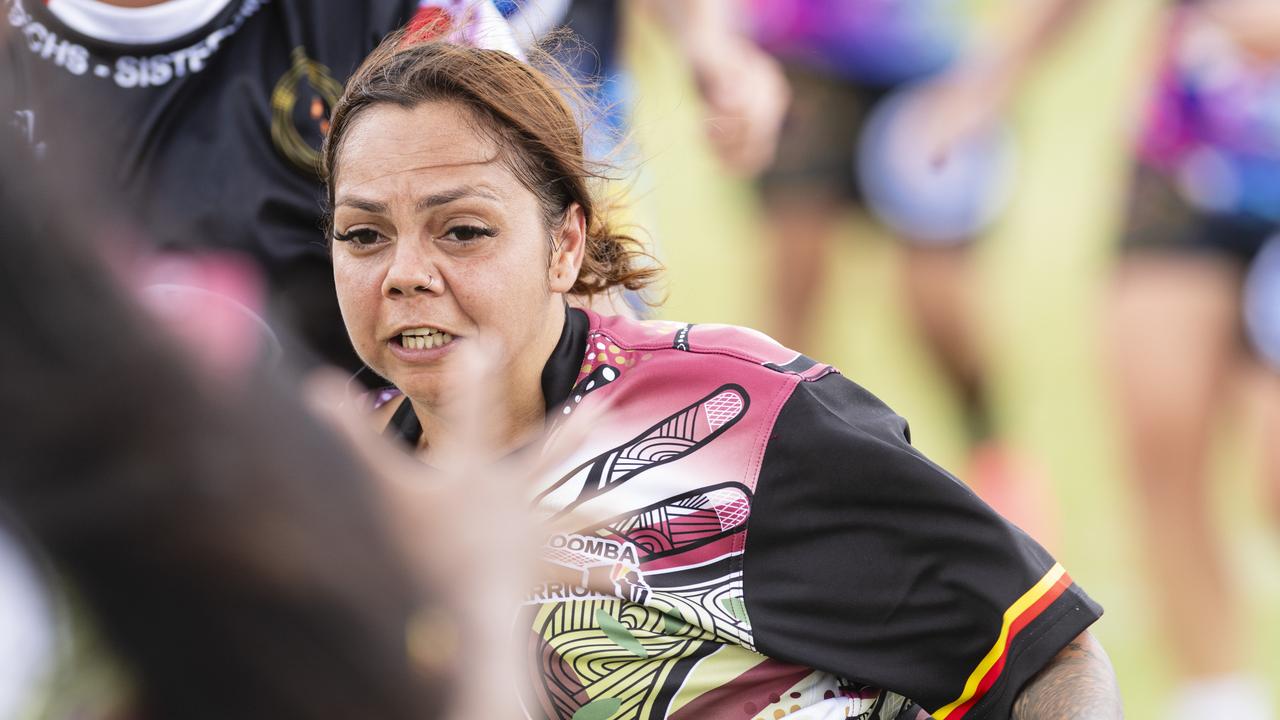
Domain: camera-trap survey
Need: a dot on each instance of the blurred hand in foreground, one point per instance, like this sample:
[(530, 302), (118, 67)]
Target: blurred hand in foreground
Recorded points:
[(464, 522)]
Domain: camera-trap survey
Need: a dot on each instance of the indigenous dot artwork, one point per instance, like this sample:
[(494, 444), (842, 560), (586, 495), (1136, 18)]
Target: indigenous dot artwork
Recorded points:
[(602, 350)]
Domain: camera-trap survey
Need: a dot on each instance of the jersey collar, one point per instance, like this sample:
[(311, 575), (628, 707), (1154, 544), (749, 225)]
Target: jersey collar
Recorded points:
[(562, 368)]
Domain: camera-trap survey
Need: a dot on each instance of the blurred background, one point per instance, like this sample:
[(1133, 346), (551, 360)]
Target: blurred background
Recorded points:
[(1042, 276), (1039, 236)]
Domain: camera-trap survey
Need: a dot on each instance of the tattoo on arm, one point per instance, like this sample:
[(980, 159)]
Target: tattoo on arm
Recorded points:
[(1078, 683)]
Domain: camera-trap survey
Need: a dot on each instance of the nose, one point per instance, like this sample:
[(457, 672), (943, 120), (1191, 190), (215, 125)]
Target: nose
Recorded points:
[(412, 271)]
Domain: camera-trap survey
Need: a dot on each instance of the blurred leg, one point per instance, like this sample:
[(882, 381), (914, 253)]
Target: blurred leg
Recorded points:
[(1270, 388), (1174, 338), (806, 194), (940, 295), (800, 232)]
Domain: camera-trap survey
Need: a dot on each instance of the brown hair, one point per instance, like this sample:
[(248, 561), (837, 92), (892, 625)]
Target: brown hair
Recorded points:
[(531, 121)]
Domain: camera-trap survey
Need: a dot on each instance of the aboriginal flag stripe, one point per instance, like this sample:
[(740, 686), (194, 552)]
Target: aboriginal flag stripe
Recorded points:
[(1018, 616)]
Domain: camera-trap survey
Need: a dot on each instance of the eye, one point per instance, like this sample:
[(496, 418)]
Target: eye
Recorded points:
[(360, 237), (468, 233)]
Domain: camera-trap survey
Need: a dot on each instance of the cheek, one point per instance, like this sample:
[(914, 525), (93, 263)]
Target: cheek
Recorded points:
[(359, 290), (506, 295)]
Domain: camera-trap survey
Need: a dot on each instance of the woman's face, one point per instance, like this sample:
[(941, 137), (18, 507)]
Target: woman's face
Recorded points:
[(437, 243)]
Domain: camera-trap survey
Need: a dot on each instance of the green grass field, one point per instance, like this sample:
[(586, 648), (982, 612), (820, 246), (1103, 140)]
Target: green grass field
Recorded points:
[(1043, 275)]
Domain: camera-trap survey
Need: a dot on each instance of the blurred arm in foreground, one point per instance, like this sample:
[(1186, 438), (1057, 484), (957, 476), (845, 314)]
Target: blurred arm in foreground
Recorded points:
[(234, 558)]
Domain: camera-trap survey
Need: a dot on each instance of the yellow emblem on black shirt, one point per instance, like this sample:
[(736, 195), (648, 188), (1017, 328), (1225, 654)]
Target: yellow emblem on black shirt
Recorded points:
[(305, 77)]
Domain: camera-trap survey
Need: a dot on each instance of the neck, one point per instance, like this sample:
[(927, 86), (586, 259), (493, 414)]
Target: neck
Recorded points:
[(516, 414), (500, 434)]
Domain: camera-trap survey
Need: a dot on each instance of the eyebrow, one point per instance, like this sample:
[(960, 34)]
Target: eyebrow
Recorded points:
[(448, 196), (426, 203)]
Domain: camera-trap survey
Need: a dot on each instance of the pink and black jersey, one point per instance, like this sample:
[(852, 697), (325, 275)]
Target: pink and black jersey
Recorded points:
[(748, 534)]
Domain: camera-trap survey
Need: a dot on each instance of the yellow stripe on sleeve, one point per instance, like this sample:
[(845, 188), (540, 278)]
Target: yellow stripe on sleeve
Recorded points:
[(1015, 610)]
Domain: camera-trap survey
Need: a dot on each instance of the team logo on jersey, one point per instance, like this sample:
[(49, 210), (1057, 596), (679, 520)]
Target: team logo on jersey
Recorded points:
[(300, 106)]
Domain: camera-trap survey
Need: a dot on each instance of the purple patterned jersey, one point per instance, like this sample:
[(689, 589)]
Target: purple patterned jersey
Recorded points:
[(879, 42)]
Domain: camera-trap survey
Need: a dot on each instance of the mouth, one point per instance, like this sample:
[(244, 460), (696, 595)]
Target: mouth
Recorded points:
[(423, 338)]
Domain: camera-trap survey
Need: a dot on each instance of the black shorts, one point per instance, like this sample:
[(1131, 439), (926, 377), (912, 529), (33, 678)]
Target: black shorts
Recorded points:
[(1160, 218), (816, 148)]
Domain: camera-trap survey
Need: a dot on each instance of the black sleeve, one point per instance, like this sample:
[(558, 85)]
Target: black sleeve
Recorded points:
[(866, 560)]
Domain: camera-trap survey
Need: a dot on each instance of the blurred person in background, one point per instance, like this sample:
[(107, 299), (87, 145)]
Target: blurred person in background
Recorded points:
[(901, 105), (742, 87), (205, 117), (743, 532), (1198, 287), (230, 557)]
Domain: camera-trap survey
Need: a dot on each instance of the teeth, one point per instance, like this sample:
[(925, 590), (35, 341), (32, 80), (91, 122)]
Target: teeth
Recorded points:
[(424, 338)]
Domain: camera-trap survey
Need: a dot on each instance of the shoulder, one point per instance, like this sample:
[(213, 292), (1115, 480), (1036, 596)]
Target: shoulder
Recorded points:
[(725, 347), (834, 407), (786, 415), (790, 401)]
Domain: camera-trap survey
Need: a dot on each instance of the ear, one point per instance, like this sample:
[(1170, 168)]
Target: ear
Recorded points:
[(568, 247)]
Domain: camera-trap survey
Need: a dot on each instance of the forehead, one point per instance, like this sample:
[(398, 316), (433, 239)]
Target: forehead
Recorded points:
[(390, 150)]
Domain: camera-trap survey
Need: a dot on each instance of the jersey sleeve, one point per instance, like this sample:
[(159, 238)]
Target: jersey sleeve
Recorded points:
[(866, 560)]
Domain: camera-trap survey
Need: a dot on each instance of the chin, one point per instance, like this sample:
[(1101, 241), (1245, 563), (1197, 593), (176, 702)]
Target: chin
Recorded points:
[(423, 390)]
